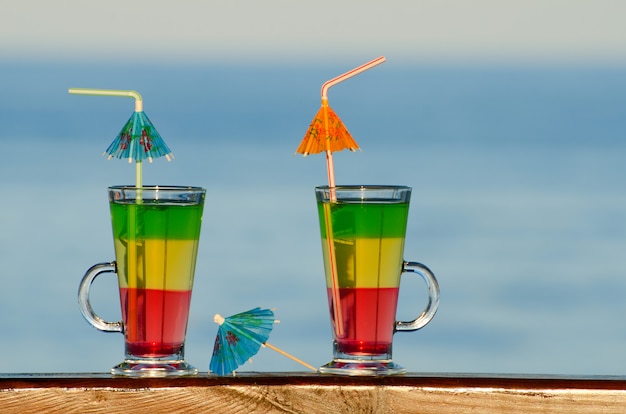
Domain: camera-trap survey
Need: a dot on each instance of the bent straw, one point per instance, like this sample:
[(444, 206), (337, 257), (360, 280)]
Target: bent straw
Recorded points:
[(325, 87), (132, 213), (350, 73), (111, 92), (138, 108), (333, 196)]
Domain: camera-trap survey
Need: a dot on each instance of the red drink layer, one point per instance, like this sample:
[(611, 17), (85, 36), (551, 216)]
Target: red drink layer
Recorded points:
[(156, 325), (368, 319)]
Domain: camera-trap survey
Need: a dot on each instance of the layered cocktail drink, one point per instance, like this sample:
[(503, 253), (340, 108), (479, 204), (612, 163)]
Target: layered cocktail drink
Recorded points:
[(368, 242), (155, 232), (156, 243), (363, 229)]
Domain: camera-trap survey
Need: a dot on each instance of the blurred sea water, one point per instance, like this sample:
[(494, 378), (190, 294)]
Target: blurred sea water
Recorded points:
[(519, 207)]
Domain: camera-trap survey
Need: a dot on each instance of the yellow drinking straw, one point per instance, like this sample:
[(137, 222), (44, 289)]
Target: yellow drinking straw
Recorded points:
[(138, 140), (138, 108), (151, 144)]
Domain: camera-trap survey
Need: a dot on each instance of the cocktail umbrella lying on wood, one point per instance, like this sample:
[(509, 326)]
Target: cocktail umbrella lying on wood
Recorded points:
[(240, 337)]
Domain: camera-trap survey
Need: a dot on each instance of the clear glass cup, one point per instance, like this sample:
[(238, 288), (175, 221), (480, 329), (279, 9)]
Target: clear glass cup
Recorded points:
[(363, 229), (156, 231)]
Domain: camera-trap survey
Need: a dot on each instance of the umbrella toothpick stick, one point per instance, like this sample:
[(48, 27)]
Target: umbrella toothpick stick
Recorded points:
[(251, 328), (293, 358)]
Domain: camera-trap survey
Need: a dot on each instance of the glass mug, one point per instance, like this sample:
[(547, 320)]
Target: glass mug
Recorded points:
[(156, 232), (363, 230)]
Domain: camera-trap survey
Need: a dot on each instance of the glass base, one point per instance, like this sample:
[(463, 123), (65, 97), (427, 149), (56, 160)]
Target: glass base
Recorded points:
[(156, 368), (362, 368)]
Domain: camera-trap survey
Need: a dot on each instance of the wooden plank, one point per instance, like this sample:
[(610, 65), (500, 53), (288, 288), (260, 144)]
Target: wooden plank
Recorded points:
[(305, 393)]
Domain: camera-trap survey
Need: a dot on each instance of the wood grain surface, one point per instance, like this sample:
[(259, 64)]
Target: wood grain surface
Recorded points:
[(311, 393)]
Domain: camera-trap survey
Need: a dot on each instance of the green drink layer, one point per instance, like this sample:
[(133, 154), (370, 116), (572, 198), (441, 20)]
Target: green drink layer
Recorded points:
[(157, 221), (367, 242), (365, 220), (156, 244)]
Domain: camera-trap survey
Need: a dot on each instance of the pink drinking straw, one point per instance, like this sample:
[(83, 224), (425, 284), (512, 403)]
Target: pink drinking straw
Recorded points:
[(325, 87), (350, 74), (333, 196)]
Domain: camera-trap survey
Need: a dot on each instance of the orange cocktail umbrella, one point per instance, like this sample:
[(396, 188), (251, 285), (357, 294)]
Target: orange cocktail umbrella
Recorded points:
[(328, 134)]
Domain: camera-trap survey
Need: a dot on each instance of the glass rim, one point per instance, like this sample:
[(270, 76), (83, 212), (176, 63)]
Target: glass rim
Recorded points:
[(157, 187), (363, 187)]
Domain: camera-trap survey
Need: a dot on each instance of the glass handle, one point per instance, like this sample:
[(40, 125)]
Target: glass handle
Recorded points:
[(83, 298), (433, 297)]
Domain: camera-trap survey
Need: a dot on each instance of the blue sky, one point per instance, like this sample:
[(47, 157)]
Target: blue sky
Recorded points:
[(518, 208), (295, 30)]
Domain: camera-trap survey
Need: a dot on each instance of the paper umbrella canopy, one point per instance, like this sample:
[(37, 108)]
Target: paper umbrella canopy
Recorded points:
[(240, 336)]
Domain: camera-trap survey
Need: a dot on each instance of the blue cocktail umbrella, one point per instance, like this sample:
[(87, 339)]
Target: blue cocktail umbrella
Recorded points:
[(240, 337), (138, 140)]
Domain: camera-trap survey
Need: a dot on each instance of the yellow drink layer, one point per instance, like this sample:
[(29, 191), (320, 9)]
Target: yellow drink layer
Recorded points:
[(365, 263), (157, 264), (156, 243), (367, 242)]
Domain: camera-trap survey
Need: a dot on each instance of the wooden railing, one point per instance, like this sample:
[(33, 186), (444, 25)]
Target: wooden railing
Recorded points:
[(311, 393)]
